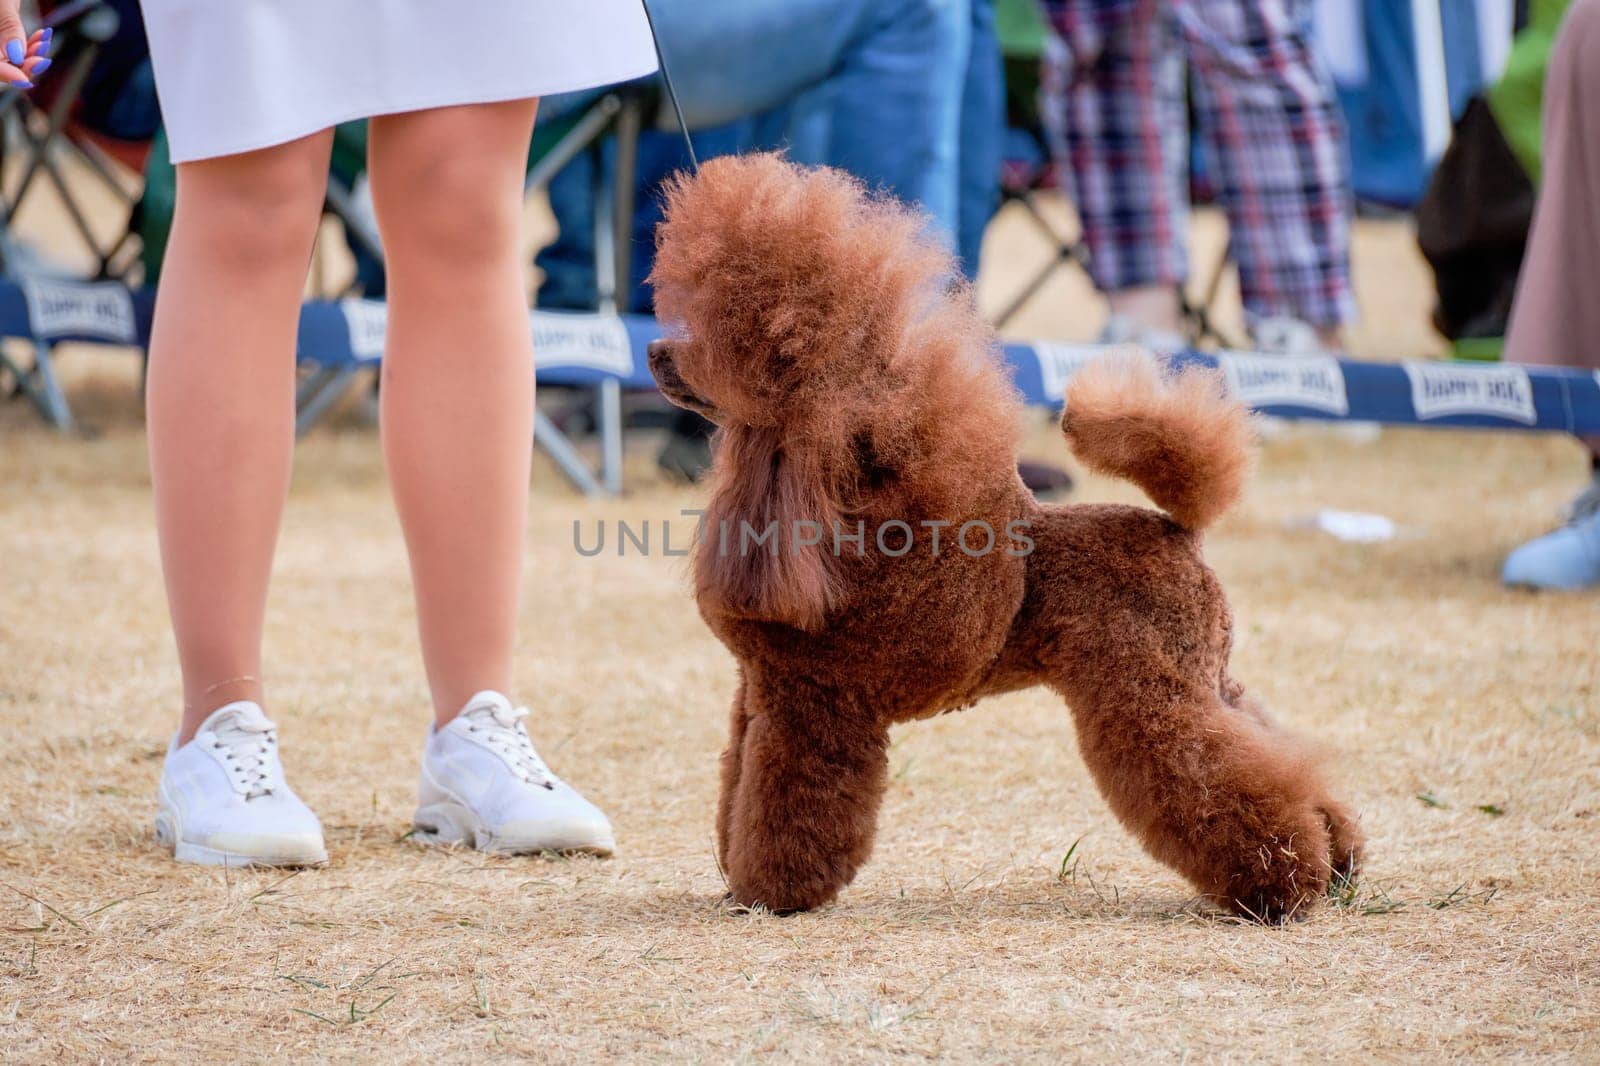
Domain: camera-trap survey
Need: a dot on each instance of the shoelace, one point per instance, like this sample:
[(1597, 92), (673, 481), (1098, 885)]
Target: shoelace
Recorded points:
[(247, 754), (503, 731)]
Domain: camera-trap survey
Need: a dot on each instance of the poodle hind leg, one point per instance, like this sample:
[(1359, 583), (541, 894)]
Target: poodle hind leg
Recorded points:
[(802, 807), (1228, 800), (1348, 842)]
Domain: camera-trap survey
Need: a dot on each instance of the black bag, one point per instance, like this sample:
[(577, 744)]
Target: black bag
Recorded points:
[(1472, 225)]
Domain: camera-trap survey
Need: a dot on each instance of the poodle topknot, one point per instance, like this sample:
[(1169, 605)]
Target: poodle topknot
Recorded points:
[(870, 557)]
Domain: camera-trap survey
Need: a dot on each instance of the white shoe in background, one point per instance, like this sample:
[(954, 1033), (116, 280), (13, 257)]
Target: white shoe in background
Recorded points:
[(1289, 336), (1286, 335), (483, 784), (1125, 329), (224, 802)]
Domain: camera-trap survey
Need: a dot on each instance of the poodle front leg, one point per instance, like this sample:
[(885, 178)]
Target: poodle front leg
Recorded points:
[(732, 757), (804, 806)]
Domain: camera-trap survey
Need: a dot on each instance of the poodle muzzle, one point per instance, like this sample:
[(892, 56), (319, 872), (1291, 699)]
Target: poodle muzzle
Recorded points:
[(664, 368)]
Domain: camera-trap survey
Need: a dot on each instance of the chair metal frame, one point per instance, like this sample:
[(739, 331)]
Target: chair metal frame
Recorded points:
[(44, 131)]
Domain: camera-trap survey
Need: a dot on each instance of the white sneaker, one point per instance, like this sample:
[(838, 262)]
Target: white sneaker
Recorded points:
[(483, 784), (1124, 329), (1287, 335), (223, 799)]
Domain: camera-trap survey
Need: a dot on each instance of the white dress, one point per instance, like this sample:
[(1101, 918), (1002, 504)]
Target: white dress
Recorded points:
[(237, 75)]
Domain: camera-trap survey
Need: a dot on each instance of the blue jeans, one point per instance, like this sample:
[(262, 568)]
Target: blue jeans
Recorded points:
[(875, 87), (568, 262), (872, 86), (983, 135)]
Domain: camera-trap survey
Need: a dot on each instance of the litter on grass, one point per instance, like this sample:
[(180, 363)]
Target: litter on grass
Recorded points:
[(1357, 527)]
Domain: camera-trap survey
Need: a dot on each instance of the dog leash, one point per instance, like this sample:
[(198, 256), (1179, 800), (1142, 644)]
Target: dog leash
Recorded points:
[(672, 94)]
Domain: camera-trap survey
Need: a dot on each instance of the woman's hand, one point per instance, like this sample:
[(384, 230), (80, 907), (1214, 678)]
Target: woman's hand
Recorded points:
[(25, 56)]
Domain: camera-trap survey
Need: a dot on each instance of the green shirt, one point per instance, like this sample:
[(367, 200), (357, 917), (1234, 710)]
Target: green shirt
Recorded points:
[(1517, 99)]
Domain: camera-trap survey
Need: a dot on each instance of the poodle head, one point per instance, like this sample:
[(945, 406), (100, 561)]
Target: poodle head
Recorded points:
[(788, 290), (827, 333)]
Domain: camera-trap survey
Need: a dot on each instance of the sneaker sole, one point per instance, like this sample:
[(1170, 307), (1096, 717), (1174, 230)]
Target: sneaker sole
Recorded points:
[(169, 833), (448, 823)]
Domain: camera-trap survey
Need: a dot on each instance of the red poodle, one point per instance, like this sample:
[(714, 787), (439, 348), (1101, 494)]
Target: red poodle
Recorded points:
[(870, 558)]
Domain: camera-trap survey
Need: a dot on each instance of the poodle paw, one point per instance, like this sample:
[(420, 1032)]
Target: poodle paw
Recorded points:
[(1347, 845), (782, 904), (779, 894), (1288, 873)]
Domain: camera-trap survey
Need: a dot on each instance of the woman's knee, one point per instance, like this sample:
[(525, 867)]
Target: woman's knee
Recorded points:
[(258, 210), (455, 207)]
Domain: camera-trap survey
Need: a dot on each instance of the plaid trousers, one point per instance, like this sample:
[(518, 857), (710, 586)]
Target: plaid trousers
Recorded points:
[(1270, 128)]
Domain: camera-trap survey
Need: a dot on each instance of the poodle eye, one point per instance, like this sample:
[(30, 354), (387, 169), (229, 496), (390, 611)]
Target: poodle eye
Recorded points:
[(874, 469)]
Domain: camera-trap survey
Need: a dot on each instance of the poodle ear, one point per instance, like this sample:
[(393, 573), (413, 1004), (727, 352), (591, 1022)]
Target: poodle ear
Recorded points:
[(767, 546)]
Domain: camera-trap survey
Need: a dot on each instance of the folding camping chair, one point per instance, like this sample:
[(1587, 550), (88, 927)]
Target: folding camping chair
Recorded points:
[(45, 312), (1027, 172), (45, 126)]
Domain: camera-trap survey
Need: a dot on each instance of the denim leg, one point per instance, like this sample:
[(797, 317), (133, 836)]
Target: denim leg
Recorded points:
[(661, 155), (568, 261), (730, 59), (982, 143), (874, 86), (871, 86), (897, 104)]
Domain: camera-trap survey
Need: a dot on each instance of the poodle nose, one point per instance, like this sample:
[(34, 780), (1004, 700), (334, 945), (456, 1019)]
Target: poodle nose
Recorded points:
[(663, 367)]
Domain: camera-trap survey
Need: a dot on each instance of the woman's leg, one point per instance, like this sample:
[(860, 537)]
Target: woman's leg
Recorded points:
[(221, 403), (458, 378), (981, 144)]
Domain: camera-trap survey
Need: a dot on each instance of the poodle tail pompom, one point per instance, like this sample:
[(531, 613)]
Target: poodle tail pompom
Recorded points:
[(1180, 439)]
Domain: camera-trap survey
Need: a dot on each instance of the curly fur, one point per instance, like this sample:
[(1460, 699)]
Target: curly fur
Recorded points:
[(1181, 441), (853, 383)]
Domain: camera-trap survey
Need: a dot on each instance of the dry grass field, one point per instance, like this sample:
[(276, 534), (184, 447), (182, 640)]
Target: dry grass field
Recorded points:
[(1463, 719)]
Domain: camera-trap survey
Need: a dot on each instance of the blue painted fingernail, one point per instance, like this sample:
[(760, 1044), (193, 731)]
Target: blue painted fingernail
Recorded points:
[(20, 84), (16, 51), (42, 65), (46, 33)]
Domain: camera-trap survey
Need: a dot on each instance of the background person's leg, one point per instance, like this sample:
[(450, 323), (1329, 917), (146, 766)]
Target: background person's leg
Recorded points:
[(1121, 124), (982, 138), (568, 262), (221, 403), (1275, 140), (457, 395), (875, 85), (1556, 318), (731, 59), (895, 104)]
